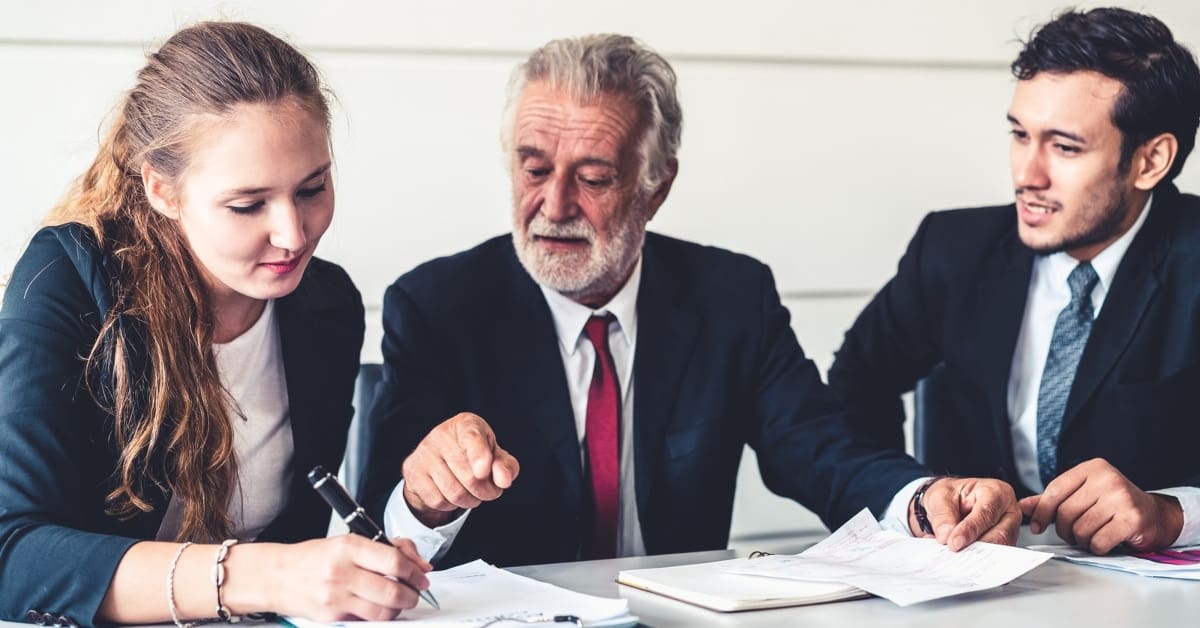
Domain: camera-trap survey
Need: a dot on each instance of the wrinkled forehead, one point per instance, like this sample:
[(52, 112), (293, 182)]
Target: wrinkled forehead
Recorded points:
[(550, 118)]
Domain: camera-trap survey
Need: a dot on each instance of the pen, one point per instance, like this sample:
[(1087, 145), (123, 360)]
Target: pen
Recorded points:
[(354, 515)]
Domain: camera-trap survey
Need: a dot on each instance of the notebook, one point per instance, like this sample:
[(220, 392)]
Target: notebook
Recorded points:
[(707, 585)]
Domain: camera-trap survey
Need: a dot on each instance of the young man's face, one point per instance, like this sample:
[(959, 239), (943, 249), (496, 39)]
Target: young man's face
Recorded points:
[(1072, 194)]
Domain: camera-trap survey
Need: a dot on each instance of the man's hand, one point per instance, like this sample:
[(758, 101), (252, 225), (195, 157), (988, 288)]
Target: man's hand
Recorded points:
[(964, 510), (1096, 507), (457, 465)]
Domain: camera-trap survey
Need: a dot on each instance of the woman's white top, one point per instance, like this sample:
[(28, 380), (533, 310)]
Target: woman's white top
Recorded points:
[(251, 370)]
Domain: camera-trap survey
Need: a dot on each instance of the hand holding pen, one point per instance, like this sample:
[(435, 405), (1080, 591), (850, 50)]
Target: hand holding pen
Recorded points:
[(355, 516)]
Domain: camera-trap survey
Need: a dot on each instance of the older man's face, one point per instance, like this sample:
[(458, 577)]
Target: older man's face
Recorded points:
[(579, 217)]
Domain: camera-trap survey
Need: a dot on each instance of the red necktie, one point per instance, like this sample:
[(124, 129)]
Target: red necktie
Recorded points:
[(603, 415)]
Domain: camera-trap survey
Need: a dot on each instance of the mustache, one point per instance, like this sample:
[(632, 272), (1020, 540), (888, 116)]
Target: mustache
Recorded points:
[(1037, 198), (576, 228)]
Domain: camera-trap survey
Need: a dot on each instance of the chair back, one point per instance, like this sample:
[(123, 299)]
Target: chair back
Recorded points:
[(933, 443), (365, 389)]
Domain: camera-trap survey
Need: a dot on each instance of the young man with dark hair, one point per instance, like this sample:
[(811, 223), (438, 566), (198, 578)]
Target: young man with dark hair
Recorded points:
[(1066, 325)]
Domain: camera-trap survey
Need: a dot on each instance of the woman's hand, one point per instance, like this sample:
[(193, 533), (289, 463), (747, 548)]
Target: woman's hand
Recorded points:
[(334, 579)]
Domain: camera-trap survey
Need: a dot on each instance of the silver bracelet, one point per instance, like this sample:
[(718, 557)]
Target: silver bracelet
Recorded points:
[(218, 577), (171, 586)]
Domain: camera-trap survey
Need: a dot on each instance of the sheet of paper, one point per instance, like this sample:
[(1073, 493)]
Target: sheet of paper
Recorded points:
[(898, 567), (475, 593), (1179, 562)]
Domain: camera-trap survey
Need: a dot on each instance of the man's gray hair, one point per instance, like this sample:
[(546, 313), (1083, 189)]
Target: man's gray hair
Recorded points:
[(614, 64)]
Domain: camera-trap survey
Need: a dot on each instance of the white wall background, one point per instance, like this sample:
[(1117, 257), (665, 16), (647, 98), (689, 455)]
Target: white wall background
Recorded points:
[(816, 134)]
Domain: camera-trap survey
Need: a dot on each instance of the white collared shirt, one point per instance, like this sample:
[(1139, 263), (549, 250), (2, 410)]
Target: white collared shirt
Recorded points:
[(1048, 295), (579, 360)]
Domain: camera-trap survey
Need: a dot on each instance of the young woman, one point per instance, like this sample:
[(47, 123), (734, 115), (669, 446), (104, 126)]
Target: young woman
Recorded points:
[(173, 360)]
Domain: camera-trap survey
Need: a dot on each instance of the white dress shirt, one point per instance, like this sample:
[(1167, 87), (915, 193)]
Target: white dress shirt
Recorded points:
[(1048, 295), (579, 359)]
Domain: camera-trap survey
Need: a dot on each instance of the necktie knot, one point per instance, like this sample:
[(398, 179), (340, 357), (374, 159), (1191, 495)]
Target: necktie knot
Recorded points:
[(1082, 281), (596, 329)]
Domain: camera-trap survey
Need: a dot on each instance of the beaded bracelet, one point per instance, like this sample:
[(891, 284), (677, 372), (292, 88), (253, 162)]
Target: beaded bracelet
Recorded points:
[(218, 576), (171, 587)]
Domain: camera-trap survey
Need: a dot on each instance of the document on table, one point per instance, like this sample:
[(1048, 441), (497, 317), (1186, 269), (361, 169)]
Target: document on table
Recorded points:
[(476, 593), (898, 567), (1181, 562)]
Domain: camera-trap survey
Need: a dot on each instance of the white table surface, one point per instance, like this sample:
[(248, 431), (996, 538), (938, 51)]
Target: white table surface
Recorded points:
[(1056, 593)]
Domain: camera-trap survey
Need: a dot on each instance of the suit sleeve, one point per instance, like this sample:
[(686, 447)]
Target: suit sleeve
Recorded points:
[(48, 433), (410, 401), (892, 344), (807, 449)]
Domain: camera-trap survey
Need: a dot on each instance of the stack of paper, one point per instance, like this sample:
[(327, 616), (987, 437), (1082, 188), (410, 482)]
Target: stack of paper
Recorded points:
[(476, 593), (1182, 562), (711, 586), (898, 567)]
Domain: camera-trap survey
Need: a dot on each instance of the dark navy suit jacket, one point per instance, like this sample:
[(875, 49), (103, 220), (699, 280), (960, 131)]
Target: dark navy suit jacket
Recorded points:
[(958, 299), (58, 549), (717, 366)]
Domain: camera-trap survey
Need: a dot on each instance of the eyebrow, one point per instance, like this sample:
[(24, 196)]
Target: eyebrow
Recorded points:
[(526, 152), (1059, 132), (315, 173)]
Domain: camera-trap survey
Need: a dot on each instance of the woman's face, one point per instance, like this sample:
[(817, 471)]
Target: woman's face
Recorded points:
[(254, 201)]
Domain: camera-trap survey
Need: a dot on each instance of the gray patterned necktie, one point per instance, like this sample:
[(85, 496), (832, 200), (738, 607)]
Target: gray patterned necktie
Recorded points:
[(1070, 335)]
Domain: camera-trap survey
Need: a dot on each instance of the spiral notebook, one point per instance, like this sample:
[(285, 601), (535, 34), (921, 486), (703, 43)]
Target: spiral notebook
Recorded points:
[(708, 585)]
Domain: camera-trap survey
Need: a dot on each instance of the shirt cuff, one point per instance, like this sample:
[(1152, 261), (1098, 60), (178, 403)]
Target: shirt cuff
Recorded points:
[(432, 543), (896, 515), (1189, 500)]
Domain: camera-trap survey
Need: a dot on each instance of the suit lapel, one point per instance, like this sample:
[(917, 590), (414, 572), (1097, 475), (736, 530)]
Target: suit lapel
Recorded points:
[(299, 345), (1133, 288), (528, 338), (666, 337), (1002, 291)]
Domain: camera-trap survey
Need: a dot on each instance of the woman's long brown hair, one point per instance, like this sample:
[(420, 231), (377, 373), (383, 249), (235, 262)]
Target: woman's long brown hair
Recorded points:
[(152, 367)]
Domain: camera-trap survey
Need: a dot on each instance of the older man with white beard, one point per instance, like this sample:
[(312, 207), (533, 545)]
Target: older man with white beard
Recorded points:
[(583, 389)]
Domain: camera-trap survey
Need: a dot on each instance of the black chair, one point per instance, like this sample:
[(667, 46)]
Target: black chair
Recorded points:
[(933, 440), (365, 388)]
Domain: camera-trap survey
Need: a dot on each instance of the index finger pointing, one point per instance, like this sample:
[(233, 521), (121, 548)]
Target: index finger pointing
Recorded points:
[(505, 468), (1059, 489), (1028, 504), (479, 448)]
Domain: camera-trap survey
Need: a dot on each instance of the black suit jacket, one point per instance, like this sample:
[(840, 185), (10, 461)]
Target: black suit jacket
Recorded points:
[(716, 366), (58, 549), (958, 299)]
